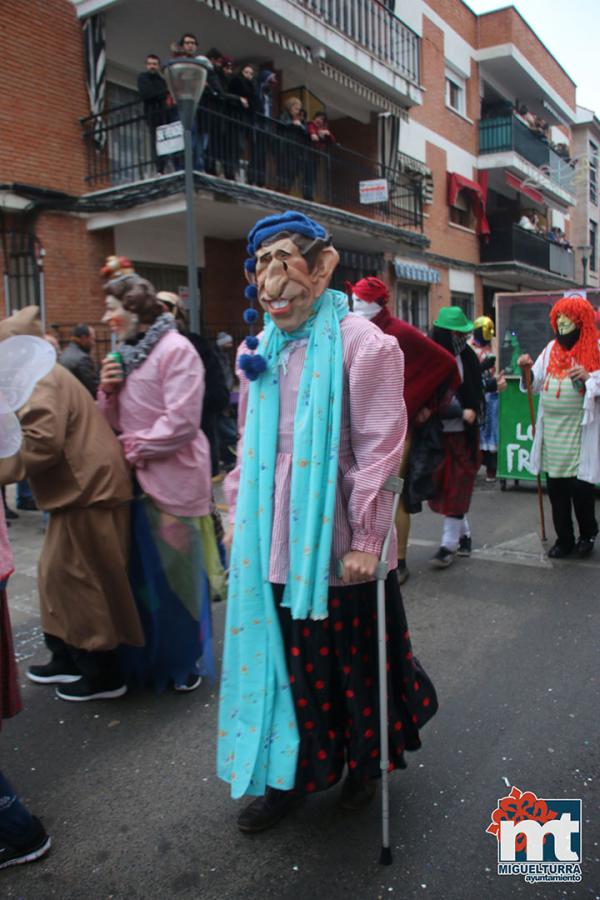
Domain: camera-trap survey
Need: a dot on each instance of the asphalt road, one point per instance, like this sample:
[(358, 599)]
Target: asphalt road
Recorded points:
[(128, 788)]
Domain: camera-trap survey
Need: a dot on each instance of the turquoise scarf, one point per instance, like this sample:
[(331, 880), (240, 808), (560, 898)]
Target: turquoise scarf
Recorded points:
[(258, 736)]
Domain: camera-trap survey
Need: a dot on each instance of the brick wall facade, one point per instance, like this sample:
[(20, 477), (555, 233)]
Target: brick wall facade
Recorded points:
[(73, 261), (43, 71), (46, 148), (506, 26)]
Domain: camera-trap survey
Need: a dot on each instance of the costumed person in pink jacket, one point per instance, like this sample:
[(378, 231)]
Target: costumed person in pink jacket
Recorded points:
[(23, 361), (430, 372), (152, 396), (321, 431)]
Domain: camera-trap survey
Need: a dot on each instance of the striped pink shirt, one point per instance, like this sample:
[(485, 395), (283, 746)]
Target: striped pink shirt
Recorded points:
[(372, 439)]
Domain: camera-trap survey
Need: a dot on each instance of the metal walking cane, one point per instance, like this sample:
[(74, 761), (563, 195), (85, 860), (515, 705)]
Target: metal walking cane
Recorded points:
[(394, 484)]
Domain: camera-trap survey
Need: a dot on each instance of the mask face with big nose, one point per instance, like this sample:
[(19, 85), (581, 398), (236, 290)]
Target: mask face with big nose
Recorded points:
[(120, 321), (287, 289)]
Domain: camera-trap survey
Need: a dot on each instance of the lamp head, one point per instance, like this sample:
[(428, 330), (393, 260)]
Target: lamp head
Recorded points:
[(186, 79)]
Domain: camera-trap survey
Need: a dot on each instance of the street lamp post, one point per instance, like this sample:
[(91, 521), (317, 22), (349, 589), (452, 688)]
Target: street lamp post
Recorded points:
[(585, 249), (186, 78)]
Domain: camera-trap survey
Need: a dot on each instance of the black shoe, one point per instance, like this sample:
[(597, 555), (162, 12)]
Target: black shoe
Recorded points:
[(29, 505), (442, 559), (584, 547), (34, 844), (10, 514), (402, 572), (264, 812), (84, 689), (356, 793), (464, 546), (57, 671), (559, 551)]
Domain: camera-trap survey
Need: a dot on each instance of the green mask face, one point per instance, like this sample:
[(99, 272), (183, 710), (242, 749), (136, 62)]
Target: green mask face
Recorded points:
[(564, 325)]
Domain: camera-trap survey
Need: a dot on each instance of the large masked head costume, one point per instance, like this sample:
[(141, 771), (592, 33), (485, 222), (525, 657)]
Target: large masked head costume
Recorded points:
[(132, 307), (290, 265), (291, 261), (573, 321)]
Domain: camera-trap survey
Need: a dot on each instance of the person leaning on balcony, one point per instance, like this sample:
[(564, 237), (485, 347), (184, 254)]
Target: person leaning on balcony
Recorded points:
[(294, 158), (152, 88), (566, 377), (527, 223), (224, 108), (243, 84), (319, 132)]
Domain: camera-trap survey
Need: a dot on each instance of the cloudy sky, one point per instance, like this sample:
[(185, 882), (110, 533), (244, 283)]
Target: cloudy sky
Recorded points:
[(570, 29)]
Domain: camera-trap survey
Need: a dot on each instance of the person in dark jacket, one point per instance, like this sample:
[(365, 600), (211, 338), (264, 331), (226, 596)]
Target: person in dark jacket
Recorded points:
[(216, 393), (244, 86), (76, 357), (226, 107), (454, 479), (152, 88)]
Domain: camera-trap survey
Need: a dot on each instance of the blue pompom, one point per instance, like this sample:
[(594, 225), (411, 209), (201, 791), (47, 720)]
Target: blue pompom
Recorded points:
[(250, 264), (251, 342), (251, 292), (250, 316), (252, 365)]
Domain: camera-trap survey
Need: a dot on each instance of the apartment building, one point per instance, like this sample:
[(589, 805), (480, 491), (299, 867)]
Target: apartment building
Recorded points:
[(424, 101), (585, 217), (490, 164)]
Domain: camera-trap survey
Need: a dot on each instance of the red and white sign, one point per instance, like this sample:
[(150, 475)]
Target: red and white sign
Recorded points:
[(373, 191)]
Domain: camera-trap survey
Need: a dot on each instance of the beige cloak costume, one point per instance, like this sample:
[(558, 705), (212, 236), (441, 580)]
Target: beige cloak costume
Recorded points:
[(77, 473)]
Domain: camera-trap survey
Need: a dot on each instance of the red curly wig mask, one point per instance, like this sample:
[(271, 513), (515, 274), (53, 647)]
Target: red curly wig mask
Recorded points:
[(585, 352)]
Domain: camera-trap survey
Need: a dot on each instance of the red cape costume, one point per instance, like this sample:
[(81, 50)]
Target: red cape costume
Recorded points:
[(427, 366)]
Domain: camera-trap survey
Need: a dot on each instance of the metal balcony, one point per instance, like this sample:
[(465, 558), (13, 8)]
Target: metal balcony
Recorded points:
[(254, 151), (512, 244), (508, 134), (372, 26)]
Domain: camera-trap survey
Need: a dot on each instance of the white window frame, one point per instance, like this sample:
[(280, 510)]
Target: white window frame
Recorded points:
[(460, 83)]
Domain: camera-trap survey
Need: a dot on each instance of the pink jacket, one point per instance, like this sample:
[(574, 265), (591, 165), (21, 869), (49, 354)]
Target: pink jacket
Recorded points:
[(372, 439), (157, 412)]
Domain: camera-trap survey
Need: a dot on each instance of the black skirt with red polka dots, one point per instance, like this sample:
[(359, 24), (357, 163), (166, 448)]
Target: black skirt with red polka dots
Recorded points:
[(334, 677)]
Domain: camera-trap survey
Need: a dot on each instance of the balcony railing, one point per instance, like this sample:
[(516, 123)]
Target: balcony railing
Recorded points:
[(509, 134), (250, 150), (374, 27), (513, 244)]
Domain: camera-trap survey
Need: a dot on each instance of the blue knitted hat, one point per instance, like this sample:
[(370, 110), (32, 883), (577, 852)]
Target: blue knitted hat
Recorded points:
[(288, 221), (252, 364)]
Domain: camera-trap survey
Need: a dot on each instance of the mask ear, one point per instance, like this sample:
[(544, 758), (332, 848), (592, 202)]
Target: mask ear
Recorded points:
[(324, 267)]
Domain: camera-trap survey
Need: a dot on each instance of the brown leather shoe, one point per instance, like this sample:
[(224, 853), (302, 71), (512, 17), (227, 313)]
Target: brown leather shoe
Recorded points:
[(357, 793), (264, 812)]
